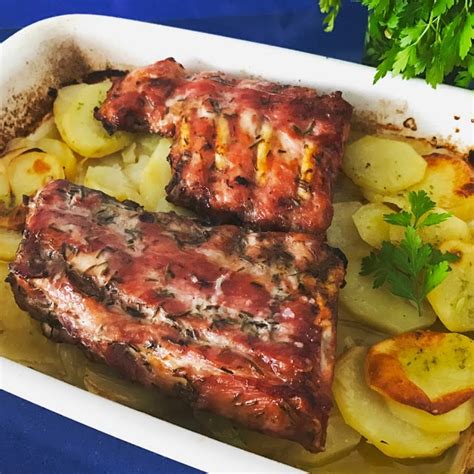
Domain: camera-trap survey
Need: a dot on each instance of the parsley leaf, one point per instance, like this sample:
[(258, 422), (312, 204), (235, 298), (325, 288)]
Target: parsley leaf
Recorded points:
[(430, 38), (413, 268)]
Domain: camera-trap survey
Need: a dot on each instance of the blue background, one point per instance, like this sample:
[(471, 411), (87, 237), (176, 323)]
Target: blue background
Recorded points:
[(34, 440)]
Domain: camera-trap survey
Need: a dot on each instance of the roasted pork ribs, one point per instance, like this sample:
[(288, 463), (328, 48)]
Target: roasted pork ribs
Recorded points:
[(245, 150), (237, 322)]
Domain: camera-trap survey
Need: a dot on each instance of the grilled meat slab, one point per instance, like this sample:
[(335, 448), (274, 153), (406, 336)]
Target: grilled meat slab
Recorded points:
[(245, 150), (237, 322)]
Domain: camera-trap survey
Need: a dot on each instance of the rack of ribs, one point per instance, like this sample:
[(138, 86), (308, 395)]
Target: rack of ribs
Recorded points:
[(245, 150), (237, 322)]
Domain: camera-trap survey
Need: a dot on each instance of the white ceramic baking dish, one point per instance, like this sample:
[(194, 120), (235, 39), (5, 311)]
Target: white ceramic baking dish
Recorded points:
[(60, 49)]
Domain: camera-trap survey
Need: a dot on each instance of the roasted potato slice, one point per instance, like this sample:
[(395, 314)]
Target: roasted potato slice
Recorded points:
[(74, 116), (431, 371), (399, 200), (453, 299), (366, 411), (53, 147), (383, 165), (457, 419), (112, 181), (30, 171), (343, 234), (134, 171), (464, 209), (156, 176), (371, 225), (447, 181), (46, 129), (378, 307), (5, 194)]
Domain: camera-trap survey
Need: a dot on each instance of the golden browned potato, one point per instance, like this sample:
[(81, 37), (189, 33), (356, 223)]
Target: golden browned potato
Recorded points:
[(453, 299), (431, 371), (74, 117), (382, 165), (448, 182), (370, 223), (366, 411), (31, 171), (464, 209)]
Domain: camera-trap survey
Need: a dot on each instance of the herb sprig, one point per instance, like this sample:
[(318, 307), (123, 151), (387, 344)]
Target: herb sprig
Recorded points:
[(428, 38), (413, 268)]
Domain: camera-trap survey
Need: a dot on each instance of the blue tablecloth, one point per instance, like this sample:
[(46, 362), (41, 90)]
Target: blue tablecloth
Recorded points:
[(33, 439)]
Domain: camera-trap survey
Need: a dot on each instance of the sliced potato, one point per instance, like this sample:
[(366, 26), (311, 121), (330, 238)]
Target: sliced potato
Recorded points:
[(351, 332), (112, 181), (9, 242), (378, 307), (53, 147), (451, 229), (457, 419), (464, 209), (129, 153), (453, 299), (5, 195), (134, 171), (399, 200), (156, 176), (343, 233), (371, 225), (165, 206), (382, 165), (147, 143), (46, 129), (61, 151), (431, 371), (341, 439), (366, 411), (31, 171), (447, 180), (421, 146), (74, 116)]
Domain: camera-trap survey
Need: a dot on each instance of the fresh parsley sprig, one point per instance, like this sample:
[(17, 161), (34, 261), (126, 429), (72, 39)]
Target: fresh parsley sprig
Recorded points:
[(413, 268), (413, 38)]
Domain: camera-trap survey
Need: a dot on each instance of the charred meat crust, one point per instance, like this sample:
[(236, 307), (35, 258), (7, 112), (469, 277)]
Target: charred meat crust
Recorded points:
[(238, 322), (245, 150)]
